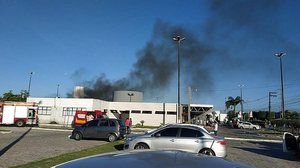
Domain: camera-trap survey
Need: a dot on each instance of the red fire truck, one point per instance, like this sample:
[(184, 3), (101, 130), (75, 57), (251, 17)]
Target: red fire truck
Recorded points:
[(81, 117), (18, 113)]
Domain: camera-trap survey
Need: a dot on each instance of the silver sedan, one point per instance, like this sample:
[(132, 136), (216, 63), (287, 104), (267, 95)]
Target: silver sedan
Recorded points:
[(189, 138)]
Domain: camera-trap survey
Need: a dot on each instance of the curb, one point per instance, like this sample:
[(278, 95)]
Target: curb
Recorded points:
[(253, 140)]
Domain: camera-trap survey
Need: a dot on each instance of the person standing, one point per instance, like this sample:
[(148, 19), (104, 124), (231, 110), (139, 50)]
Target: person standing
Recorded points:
[(130, 122), (216, 128), (127, 124)]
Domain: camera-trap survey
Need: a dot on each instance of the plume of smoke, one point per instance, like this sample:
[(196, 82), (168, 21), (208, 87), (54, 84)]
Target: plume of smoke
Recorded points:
[(156, 65), (235, 36)]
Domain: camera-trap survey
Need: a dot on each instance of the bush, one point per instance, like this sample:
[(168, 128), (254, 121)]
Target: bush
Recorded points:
[(292, 123), (138, 125), (53, 122)]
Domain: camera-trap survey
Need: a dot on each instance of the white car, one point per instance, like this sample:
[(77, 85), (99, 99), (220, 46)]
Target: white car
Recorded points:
[(183, 137), (248, 125)]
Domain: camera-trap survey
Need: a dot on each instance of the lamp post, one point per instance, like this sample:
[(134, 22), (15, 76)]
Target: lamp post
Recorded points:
[(178, 39), (130, 95), (280, 55), (29, 85), (57, 90)]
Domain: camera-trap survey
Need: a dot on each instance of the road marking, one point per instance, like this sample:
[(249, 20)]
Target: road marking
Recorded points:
[(5, 132), (254, 140)]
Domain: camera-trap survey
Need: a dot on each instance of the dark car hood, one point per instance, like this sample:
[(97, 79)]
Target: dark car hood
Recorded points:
[(152, 159)]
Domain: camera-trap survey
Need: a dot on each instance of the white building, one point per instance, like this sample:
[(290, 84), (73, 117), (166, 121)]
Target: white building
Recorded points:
[(62, 110)]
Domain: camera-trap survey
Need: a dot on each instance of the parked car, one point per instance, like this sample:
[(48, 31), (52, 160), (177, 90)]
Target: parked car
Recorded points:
[(184, 137), (291, 143), (260, 123), (152, 159), (248, 125), (110, 129)]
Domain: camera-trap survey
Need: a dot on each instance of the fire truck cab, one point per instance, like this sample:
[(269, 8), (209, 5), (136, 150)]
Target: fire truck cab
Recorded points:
[(81, 117), (18, 113)]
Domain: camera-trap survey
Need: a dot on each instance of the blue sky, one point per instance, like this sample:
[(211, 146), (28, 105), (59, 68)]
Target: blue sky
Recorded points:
[(73, 42)]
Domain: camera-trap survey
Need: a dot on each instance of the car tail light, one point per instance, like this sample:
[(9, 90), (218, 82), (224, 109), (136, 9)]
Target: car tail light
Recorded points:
[(222, 142)]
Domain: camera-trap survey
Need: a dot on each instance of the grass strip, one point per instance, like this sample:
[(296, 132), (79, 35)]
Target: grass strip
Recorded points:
[(46, 163)]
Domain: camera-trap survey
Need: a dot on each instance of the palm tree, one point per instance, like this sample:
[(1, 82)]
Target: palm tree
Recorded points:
[(233, 102)]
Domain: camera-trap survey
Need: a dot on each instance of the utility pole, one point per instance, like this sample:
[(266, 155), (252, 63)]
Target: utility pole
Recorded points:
[(280, 55), (242, 107), (190, 101), (271, 94)]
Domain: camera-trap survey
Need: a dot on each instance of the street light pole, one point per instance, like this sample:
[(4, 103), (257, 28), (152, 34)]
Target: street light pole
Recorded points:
[(130, 95), (29, 85), (57, 90), (280, 55), (178, 39)]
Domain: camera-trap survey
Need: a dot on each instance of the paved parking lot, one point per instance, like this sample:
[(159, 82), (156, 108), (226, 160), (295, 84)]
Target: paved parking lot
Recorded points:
[(23, 145)]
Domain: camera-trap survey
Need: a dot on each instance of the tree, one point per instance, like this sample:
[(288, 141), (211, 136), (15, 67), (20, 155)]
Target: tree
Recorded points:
[(231, 102), (291, 115), (10, 96)]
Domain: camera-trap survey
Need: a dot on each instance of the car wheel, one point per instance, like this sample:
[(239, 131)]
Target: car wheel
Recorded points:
[(141, 146), (111, 137), (77, 136), (207, 152), (254, 128), (20, 123)]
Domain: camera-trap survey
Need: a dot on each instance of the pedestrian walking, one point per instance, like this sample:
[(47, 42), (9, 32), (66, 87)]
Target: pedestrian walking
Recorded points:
[(216, 128)]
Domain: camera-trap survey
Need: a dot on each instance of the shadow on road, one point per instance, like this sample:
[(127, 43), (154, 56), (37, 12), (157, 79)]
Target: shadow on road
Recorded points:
[(119, 147), (5, 149), (272, 150)]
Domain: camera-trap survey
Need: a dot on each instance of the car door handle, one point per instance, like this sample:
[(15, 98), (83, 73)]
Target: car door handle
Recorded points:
[(172, 140), (197, 141)]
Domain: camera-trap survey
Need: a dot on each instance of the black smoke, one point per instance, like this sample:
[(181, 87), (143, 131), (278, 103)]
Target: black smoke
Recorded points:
[(156, 66), (238, 37)]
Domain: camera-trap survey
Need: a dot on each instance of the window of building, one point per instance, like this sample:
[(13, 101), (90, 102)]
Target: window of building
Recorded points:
[(70, 111), (159, 112), (125, 112), (147, 112), (171, 113), (113, 111), (136, 111), (44, 110)]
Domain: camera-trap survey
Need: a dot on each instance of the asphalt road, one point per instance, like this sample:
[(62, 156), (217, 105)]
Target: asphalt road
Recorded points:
[(259, 150), (23, 145)]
